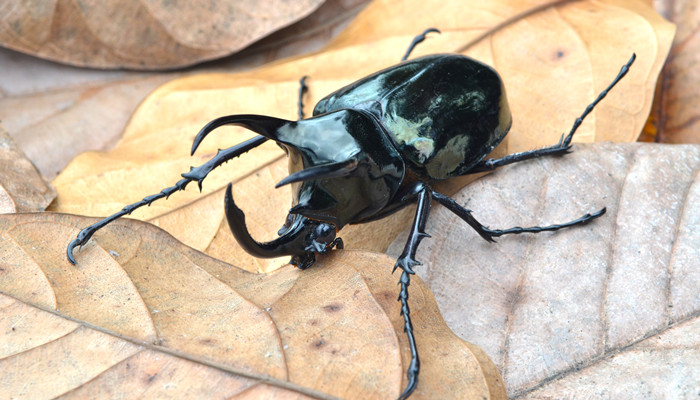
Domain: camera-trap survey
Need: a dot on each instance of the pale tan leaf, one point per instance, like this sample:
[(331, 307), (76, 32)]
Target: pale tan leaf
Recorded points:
[(143, 312), (549, 81), (7, 205), (142, 34), (53, 127), (663, 366), (581, 305), (22, 189)]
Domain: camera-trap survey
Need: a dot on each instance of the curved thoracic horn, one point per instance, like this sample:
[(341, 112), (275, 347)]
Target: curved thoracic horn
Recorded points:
[(292, 243), (323, 171), (260, 124)]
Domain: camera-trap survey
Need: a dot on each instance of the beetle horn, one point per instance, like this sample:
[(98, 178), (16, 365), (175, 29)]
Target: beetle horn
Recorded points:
[(325, 171), (292, 243), (260, 124)]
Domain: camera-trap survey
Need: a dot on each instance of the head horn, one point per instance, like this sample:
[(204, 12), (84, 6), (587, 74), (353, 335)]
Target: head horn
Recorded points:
[(300, 240)]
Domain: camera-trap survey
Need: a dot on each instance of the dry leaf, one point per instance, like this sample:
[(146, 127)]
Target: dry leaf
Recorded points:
[(576, 313), (309, 34), (7, 205), (663, 366), (142, 34), (675, 114), (21, 187), (56, 112), (141, 311), (53, 127), (154, 148)]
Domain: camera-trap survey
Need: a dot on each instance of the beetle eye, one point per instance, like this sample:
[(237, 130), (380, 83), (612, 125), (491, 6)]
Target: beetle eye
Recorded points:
[(324, 233)]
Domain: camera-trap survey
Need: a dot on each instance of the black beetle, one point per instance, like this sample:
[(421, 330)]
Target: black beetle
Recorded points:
[(372, 148)]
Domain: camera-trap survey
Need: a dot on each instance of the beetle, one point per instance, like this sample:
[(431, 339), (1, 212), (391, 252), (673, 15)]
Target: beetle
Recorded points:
[(372, 148)]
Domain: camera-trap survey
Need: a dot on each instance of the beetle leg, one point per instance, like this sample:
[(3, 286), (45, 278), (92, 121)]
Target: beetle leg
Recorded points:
[(406, 262), (198, 174), (564, 144), (336, 243), (195, 174), (303, 88), (417, 40), (489, 234)]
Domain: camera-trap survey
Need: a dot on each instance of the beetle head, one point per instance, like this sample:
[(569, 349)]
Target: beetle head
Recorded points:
[(343, 167)]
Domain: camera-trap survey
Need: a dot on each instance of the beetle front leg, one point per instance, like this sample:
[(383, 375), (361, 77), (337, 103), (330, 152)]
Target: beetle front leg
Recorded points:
[(195, 174), (489, 234), (303, 88), (406, 262), (560, 148)]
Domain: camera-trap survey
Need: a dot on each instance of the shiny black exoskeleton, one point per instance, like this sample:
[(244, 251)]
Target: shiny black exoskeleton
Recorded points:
[(372, 148)]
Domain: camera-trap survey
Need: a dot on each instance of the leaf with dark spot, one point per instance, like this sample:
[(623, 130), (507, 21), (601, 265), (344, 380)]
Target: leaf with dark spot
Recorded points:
[(176, 323)]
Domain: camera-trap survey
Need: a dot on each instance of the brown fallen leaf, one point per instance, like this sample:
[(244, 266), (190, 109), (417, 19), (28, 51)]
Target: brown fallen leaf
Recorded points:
[(56, 112), (304, 36), (154, 148), (142, 34), (578, 312), (141, 311), (675, 114), (53, 126), (21, 187)]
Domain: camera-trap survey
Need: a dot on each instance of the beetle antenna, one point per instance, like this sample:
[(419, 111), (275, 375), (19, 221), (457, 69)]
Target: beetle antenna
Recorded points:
[(416, 40)]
